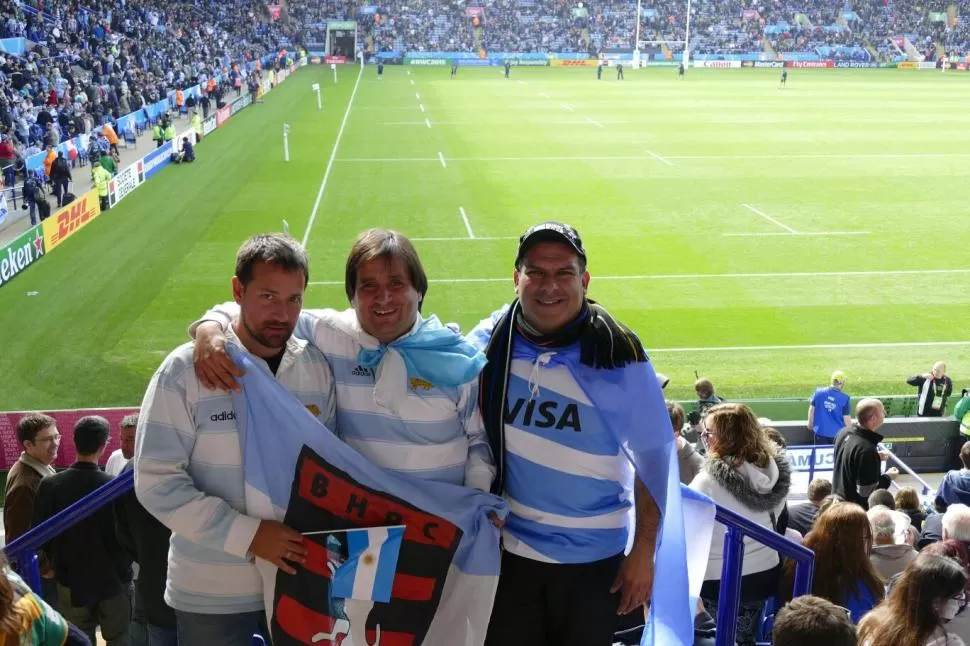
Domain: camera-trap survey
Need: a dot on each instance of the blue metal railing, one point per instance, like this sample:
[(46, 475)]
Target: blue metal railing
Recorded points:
[(924, 485), (738, 527), (22, 552)]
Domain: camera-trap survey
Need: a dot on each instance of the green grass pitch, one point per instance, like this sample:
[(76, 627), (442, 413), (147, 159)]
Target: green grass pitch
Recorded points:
[(729, 222)]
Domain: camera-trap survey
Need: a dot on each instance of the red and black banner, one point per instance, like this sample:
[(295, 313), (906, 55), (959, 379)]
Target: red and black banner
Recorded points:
[(325, 498)]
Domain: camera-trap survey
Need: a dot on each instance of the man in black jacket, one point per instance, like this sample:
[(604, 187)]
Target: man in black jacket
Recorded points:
[(61, 178), (933, 389), (857, 457), (92, 571), (146, 540), (801, 517)]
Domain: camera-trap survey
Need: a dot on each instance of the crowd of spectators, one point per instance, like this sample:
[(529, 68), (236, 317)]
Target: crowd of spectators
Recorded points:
[(96, 62)]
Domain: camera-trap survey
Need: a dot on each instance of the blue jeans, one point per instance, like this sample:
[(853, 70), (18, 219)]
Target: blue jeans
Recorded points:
[(162, 636), (195, 629)]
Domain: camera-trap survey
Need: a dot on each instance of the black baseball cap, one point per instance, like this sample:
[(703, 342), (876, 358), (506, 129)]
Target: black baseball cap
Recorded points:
[(549, 231)]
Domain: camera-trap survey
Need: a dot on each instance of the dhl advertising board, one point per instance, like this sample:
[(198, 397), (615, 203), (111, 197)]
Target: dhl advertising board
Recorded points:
[(65, 222)]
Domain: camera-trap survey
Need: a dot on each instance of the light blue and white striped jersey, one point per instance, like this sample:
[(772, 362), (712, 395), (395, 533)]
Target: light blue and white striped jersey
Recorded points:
[(568, 484), (188, 474), (436, 433)]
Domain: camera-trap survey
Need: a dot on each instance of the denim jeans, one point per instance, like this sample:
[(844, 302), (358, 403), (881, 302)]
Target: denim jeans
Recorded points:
[(219, 630)]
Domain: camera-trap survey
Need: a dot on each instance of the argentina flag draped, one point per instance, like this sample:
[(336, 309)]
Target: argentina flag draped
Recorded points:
[(298, 472), (687, 516)]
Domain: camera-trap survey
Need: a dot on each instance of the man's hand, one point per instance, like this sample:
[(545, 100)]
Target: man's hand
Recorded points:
[(883, 455), (213, 366), (893, 473), (278, 544), (635, 579)]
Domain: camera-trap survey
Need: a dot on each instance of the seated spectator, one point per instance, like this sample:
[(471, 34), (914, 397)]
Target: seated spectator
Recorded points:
[(907, 501), (881, 497), (929, 594), (810, 621), (25, 618), (932, 531), (745, 473), (960, 625), (801, 517), (955, 487), (842, 542), (956, 523), (890, 553), (690, 461)]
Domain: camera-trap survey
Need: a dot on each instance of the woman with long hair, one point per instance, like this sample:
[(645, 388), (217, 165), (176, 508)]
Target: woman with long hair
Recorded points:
[(25, 618), (907, 501), (842, 542), (745, 472), (928, 594), (959, 625)]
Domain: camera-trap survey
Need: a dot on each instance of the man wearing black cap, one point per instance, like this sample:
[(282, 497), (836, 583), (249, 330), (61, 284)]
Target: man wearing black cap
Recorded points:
[(569, 398)]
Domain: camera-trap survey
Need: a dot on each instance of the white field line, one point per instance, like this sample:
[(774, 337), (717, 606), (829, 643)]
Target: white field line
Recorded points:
[(521, 82), (817, 346), (333, 155), (667, 158), (421, 105), (776, 234), (441, 158), (594, 122), (566, 106), (412, 80), (427, 122), (660, 158), (463, 239), (544, 95), (659, 277), (417, 95), (769, 218), (468, 226)]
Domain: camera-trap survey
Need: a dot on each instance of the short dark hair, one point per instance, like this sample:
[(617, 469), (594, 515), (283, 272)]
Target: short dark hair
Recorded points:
[(31, 424), (384, 243), (129, 421), (809, 621), (676, 413), (276, 248), (90, 434), (881, 497), (704, 388), (818, 489), (965, 455)]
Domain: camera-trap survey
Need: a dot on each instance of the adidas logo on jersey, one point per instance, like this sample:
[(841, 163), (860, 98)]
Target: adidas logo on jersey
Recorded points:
[(361, 371), (224, 416)]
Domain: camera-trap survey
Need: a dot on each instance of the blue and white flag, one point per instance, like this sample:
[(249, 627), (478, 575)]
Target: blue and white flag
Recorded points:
[(298, 472), (368, 572)]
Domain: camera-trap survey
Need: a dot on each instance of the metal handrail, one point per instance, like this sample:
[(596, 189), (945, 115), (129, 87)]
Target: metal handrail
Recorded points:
[(926, 488), (730, 594)]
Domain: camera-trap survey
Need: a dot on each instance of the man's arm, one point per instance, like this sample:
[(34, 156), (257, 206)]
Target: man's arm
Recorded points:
[(847, 413), (811, 417), (635, 577), (480, 466), (916, 380), (869, 478), (163, 448), (19, 508)]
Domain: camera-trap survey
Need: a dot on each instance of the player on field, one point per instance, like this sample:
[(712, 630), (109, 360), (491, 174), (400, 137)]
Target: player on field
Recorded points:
[(680, 69), (508, 66), (454, 68), (619, 71), (784, 78), (380, 70), (599, 71)]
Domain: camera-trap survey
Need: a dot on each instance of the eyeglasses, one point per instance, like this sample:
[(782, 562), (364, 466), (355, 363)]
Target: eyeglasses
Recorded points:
[(848, 613)]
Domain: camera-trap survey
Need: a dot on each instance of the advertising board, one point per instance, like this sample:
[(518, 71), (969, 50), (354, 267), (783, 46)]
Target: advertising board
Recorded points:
[(125, 182), (721, 65), (67, 221), (20, 254)]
